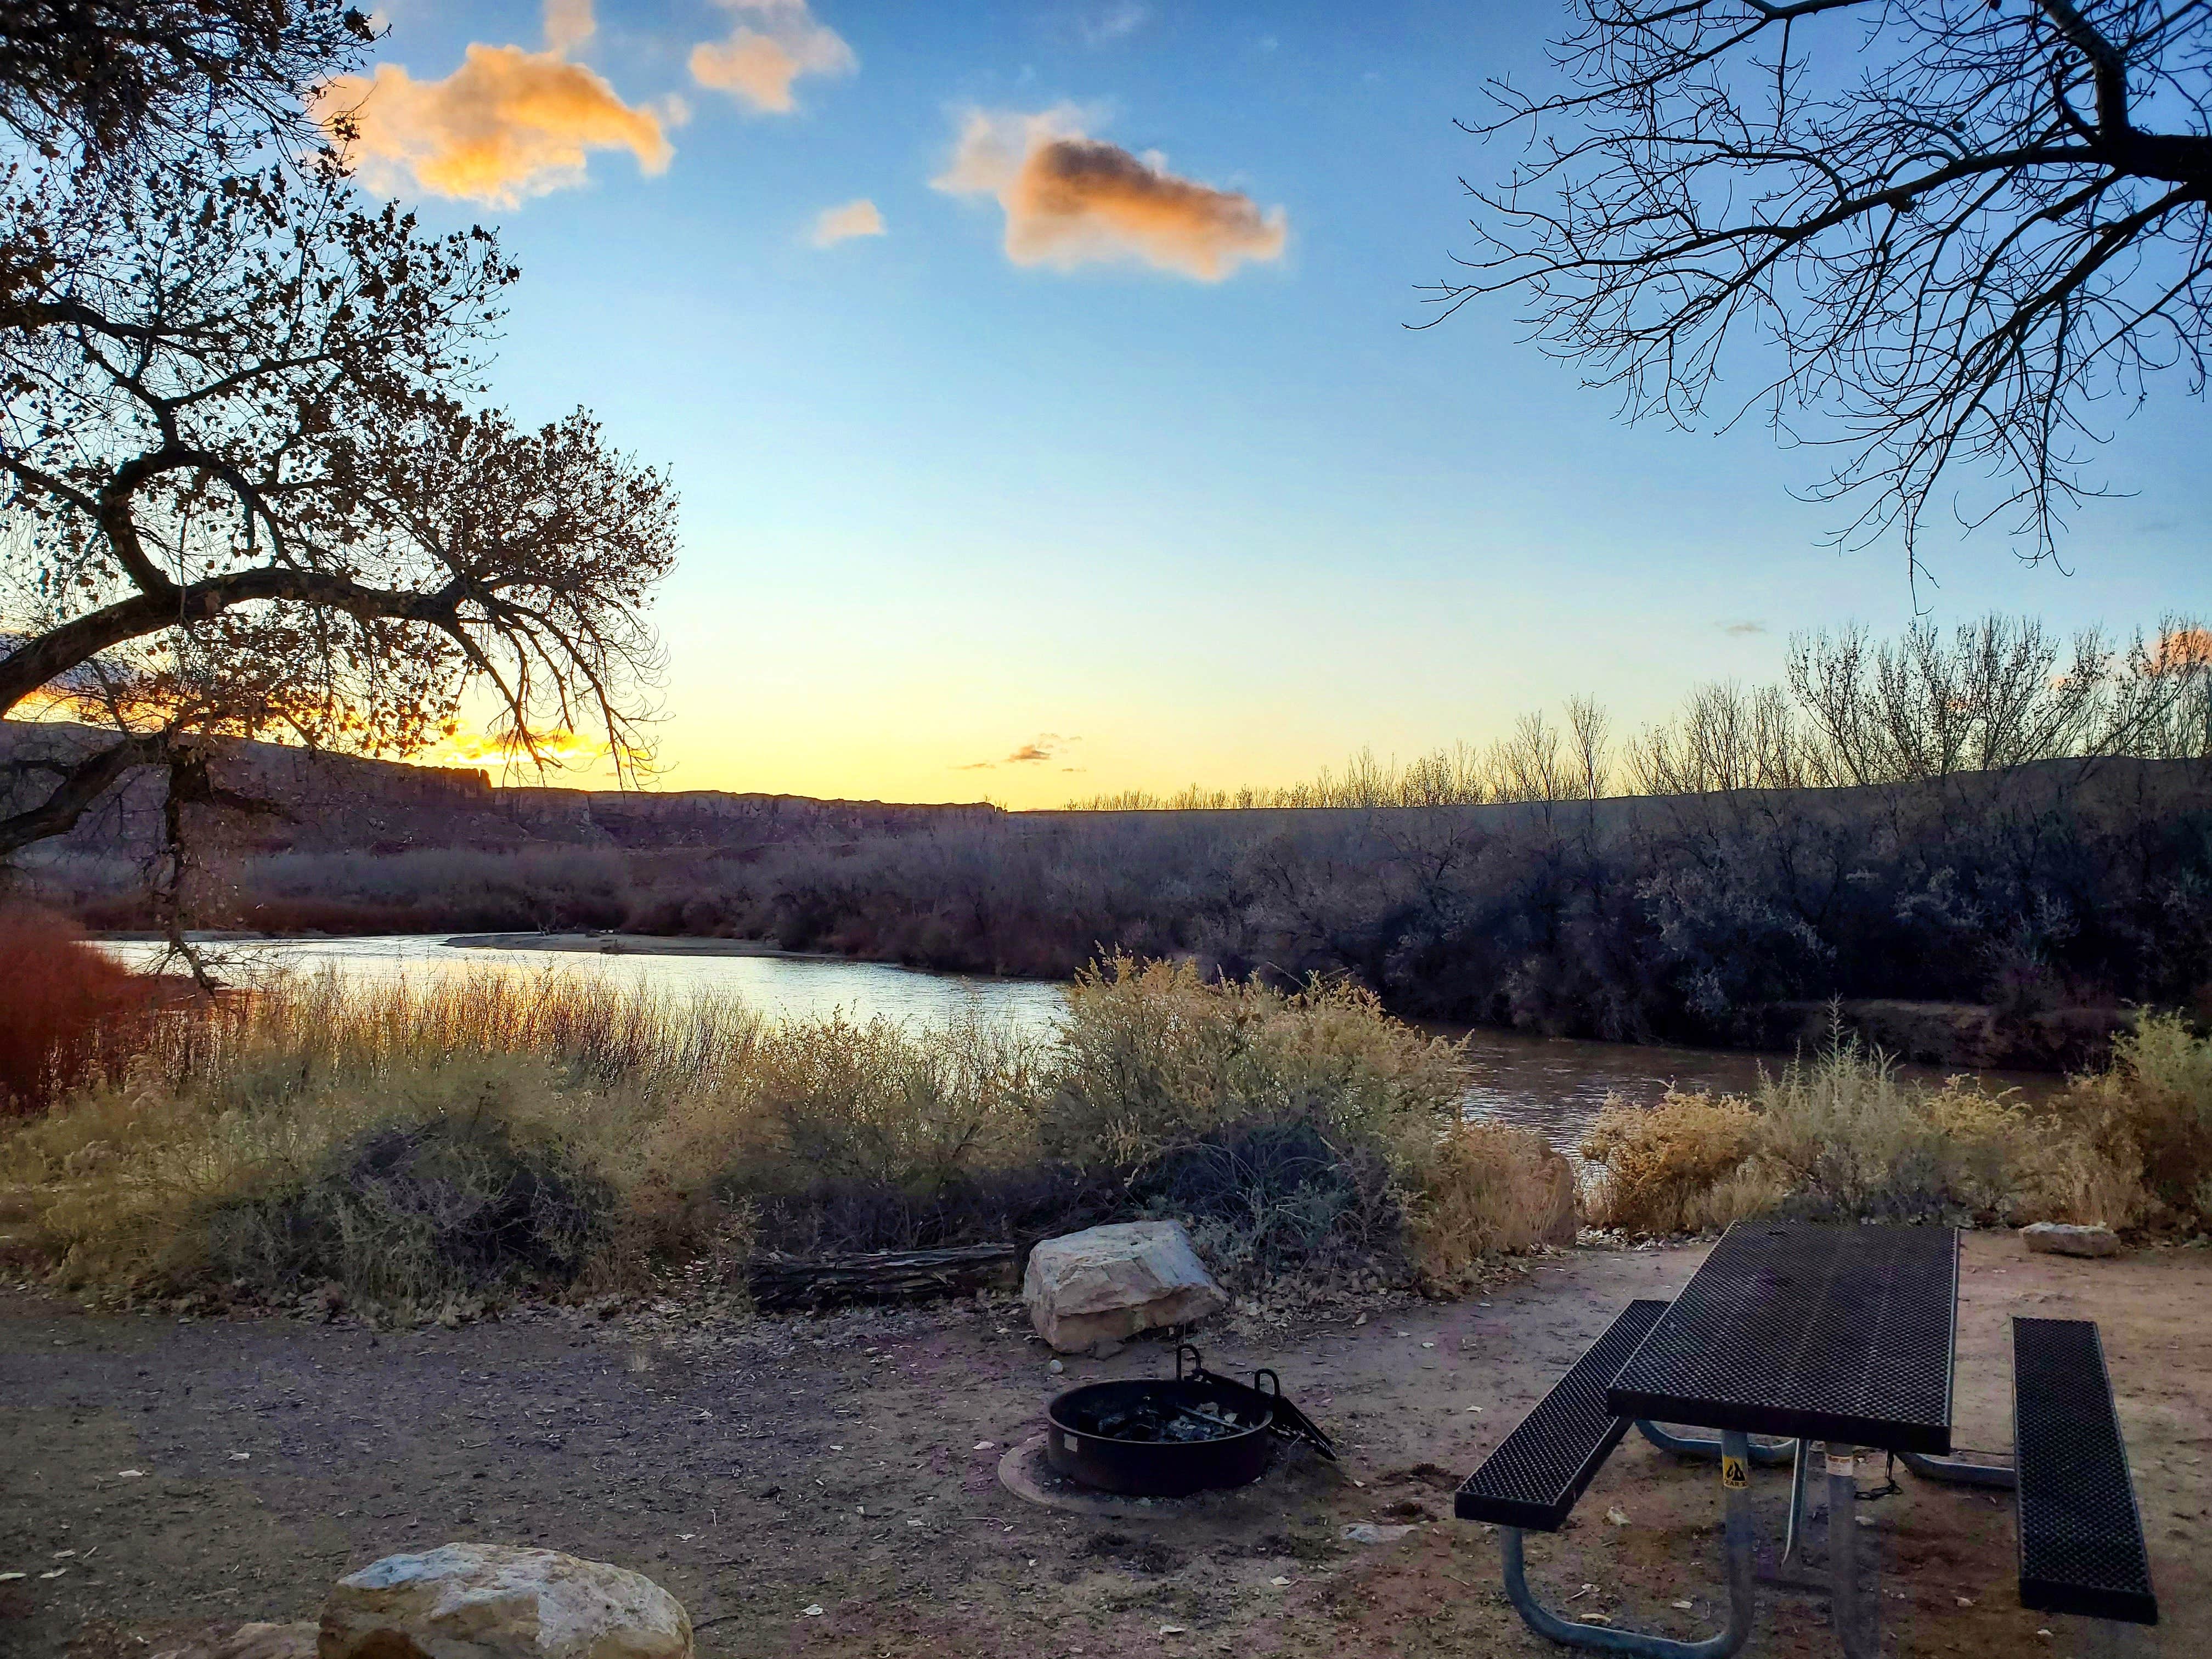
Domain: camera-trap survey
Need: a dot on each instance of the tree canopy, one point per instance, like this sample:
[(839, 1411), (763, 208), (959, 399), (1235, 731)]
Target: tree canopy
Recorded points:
[(248, 482), (1939, 234)]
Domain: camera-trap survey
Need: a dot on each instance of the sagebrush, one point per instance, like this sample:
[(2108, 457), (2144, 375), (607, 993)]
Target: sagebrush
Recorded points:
[(499, 1135), (1841, 1136)]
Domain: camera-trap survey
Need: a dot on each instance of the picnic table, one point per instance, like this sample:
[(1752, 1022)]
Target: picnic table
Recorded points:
[(1836, 1340)]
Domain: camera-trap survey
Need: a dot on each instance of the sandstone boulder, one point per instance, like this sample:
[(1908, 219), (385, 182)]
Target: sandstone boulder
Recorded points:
[(2060, 1238), (488, 1602), (1104, 1284)]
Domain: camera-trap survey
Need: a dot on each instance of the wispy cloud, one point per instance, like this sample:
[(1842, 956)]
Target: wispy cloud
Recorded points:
[(773, 43), (1071, 200), (1045, 745), (568, 24), (508, 124), (1116, 22), (1738, 629), (841, 224)]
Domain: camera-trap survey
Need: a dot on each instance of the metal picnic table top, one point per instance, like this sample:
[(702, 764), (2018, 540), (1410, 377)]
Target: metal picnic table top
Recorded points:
[(1841, 1333)]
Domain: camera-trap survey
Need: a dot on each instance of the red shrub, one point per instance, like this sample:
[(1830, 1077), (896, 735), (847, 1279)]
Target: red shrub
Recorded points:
[(59, 999)]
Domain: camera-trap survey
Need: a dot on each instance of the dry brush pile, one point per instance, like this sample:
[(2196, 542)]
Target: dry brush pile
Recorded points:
[(467, 1140)]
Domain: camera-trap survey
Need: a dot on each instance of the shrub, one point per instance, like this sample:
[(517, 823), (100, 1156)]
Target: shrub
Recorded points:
[(1153, 1053), (1269, 1198), (500, 1134), (1678, 1167), (1842, 1137), (1483, 1189), (60, 995), (417, 1214), (2151, 1109)]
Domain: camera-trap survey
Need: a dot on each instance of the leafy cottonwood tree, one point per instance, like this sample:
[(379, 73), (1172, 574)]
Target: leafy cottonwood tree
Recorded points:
[(1935, 233), (247, 487)]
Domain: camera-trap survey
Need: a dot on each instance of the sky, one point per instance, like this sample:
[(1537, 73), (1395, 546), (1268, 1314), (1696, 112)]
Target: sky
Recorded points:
[(1037, 382)]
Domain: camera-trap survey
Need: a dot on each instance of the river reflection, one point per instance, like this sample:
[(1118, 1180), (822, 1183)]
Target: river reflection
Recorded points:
[(1554, 1085)]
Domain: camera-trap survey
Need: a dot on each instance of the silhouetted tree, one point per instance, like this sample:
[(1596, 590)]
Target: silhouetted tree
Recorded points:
[(1932, 232)]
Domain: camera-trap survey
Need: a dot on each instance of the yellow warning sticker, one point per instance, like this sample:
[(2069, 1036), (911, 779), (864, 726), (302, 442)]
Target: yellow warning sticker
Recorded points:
[(1732, 1473)]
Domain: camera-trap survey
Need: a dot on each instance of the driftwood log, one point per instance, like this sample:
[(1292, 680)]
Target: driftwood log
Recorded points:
[(780, 1283)]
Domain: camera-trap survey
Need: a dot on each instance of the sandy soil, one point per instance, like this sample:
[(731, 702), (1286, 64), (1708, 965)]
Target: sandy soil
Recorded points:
[(762, 1468)]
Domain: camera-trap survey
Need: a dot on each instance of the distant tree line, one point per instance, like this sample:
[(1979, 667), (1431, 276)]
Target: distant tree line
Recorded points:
[(1998, 692)]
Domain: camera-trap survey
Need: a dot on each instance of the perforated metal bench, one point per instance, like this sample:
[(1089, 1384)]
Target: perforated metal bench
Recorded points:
[(1533, 1479), (2080, 1535)]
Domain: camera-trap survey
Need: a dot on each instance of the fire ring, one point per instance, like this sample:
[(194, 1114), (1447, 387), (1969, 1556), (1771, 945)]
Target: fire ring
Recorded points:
[(1168, 1438)]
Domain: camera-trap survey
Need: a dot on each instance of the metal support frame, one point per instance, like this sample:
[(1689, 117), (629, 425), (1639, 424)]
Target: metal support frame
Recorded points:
[(1771, 1456), (1602, 1638), (1857, 1624), (1799, 1465), (2001, 1476)]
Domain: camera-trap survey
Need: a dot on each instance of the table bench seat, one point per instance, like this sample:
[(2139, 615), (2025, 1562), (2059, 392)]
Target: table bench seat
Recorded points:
[(2081, 1535), (1540, 1471)]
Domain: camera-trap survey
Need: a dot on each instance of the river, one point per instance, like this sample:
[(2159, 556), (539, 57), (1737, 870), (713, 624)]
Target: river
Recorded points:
[(1554, 1084)]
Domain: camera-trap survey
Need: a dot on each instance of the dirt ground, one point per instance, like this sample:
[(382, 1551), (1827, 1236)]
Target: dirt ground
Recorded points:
[(822, 1487)]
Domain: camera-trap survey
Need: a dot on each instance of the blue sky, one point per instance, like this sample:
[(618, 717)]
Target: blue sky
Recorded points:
[(941, 507)]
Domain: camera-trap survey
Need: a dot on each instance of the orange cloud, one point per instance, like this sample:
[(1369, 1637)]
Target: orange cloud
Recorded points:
[(764, 56), (508, 124), (1071, 200), (841, 224)]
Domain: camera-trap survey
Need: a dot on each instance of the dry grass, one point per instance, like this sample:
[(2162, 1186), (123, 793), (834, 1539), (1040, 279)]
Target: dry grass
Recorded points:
[(416, 1145), (1841, 1137), (1678, 1167), (2151, 1110)]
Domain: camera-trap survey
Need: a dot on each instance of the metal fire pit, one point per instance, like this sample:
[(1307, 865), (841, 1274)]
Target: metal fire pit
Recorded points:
[(1169, 1438)]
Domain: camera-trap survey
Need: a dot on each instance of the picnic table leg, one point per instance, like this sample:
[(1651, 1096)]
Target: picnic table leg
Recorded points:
[(1855, 1623), (1735, 1460)]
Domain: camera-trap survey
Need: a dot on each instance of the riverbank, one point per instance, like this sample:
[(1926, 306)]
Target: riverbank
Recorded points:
[(761, 1468), (1979, 920)]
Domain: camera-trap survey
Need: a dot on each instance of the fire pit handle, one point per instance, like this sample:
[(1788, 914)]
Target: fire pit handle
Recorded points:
[(1276, 1391), (1197, 1363)]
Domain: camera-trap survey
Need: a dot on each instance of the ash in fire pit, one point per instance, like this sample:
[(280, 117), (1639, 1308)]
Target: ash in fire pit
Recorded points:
[(1153, 1417), (1169, 1438)]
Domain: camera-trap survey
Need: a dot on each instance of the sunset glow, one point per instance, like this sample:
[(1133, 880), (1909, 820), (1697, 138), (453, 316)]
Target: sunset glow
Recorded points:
[(1046, 370)]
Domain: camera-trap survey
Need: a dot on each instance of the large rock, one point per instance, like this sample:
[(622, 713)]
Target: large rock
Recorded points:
[(488, 1602), (1106, 1284), (2062, 1239)]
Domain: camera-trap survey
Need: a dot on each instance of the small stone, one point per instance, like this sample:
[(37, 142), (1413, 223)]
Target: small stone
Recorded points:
[(1682, 1607), (1278, 1581), (2060, 1238), (1055, 1368), (1366, 1532), (1964, 1600), (812, 1610), (1617, 1515)]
